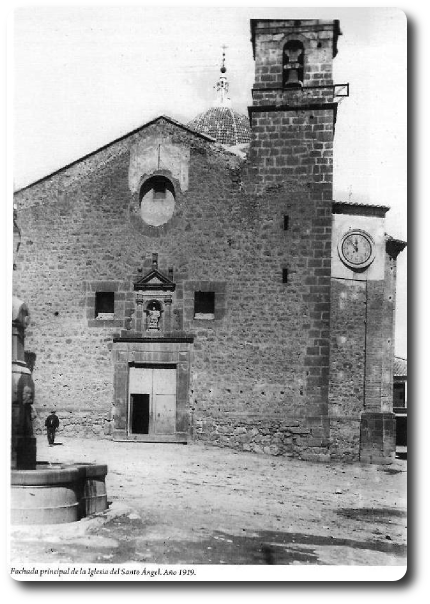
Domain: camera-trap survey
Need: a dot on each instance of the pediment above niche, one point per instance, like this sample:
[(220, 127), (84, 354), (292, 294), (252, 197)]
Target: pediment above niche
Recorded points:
[(154, 281), (154, 153)]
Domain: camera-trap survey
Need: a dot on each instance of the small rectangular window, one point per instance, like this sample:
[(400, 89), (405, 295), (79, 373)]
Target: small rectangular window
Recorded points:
[(204, 305), (284, 275), (286, 222), (399, 394), (105, 305)]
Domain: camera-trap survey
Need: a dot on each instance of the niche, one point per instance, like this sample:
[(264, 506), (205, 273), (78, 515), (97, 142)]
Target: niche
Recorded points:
[(153, 313), (293, 63)]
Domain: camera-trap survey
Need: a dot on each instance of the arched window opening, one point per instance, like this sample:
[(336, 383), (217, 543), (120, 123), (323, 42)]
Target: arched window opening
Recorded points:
[(157, 200), (293, 63), (159, 186)]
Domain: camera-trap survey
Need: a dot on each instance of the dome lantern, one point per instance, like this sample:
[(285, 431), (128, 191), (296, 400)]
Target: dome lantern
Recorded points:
[(221, 122), (222, 86)]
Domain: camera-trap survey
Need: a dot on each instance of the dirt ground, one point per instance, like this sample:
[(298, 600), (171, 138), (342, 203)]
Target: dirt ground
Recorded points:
[(196, 504)]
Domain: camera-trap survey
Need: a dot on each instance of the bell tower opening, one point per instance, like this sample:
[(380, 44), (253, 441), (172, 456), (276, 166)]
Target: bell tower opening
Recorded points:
[(293, 64)]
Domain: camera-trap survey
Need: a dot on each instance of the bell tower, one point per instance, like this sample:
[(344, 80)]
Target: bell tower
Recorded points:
[(294, 110), (293, 119)]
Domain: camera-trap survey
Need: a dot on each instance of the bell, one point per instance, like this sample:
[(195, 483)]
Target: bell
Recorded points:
[(293, 64), (292, 78)]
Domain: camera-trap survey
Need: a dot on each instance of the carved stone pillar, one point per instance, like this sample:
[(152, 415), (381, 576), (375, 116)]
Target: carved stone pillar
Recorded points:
[(23, 442)]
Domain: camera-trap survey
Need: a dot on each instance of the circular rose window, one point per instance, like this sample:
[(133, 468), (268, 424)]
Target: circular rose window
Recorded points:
[(157, 201)]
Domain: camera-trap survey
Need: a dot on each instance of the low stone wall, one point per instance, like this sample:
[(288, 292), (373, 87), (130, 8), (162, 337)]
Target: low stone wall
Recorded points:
[(345, 438), (302, 438), (311, 439), (378, 438), (86, 423)]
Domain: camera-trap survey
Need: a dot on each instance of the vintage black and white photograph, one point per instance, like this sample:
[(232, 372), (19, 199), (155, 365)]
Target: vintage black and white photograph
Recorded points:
[(209, 345)]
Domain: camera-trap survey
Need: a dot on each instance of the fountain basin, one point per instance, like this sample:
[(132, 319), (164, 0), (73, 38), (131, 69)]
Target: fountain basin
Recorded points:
[(43, 493), (57, 493), (92, 494)]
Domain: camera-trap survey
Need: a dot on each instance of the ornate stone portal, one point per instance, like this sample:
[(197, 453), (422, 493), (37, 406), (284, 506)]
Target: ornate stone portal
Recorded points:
[(154, 297), (152, 364)]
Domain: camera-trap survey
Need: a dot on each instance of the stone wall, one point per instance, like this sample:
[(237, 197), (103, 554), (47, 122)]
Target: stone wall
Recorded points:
[(81, 234), (81, 423), (345, 438), (305, 438), (319, 39), (348, 347), (292, 151), (377, 438)]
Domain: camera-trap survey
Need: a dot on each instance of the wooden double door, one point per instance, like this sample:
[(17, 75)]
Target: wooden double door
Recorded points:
[(152, 399)]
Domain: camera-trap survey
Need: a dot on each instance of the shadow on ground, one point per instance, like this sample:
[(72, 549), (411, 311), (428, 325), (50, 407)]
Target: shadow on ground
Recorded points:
[(380, 515), (128, 539), (253, 548)]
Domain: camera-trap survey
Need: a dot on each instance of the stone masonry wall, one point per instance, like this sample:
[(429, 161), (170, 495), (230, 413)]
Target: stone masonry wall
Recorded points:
[(318, 40), (347, 365), (82, 423), (292, 148), (361, 359), (80, 228), (348, 347), (284, 158), (290, 437), (378, 426)]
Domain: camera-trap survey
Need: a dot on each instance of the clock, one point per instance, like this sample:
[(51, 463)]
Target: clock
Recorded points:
[(356, 249)]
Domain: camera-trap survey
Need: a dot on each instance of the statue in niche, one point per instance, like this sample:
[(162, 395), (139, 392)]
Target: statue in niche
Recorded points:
[(153, 314)]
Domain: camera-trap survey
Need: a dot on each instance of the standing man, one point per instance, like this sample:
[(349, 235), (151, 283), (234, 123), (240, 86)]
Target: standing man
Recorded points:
[(52, 422)]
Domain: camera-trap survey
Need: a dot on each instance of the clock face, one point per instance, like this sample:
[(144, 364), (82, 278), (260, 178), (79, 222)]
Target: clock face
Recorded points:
[(356, 249)]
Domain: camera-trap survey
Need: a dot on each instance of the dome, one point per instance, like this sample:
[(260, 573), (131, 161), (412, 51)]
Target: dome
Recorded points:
[(224, 124)]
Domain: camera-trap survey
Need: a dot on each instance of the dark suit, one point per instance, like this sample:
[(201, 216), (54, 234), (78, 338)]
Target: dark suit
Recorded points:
[(52, 422)]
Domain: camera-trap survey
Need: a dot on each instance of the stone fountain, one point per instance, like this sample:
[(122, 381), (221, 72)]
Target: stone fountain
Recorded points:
[(43, 492)]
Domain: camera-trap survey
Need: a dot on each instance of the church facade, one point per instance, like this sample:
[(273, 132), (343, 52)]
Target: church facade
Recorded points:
[(199, 281)]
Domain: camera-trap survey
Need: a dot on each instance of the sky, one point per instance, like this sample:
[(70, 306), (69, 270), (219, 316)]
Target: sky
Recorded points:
[(84, 76)]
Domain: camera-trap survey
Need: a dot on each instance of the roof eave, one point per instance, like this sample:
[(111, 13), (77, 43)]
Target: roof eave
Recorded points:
[(117, 140), (365, 209)]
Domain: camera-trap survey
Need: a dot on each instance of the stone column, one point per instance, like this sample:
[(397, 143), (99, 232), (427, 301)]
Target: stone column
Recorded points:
[(378, 423), (23, 441)]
